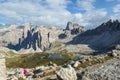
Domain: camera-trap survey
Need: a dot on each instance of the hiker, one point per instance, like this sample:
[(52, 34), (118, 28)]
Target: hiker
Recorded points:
[(25, 72)]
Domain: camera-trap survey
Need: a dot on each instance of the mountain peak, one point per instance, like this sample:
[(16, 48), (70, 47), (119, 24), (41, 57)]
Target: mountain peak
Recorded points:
[(111, 25)]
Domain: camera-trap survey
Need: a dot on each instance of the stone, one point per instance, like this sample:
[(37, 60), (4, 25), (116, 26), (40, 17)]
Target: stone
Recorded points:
[(71, 62), (67, 73), (50, 63), (2, 69), (114, 53), (76, 64), (82, 61), (42, 68)]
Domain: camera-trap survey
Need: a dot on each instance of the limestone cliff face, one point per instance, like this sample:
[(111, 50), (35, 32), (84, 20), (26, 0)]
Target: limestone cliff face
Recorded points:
[(41, 38), (10, 35), (37, 38), (27, 26)]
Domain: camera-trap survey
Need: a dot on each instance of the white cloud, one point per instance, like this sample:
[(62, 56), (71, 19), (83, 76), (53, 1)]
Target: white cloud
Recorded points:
[(47, 11), (116, 11), (85, 4), (52, 12), (116, 8), (10, 14), (116, 16), (92, 17), (110, 0)]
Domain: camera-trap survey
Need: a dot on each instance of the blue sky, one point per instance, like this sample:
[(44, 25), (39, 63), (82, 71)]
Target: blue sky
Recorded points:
[(88, 13)]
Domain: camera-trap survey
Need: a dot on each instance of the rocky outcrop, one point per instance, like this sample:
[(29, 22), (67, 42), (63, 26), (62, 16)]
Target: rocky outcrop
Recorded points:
[(10, 35), (100, 38), (69, 26), (2, 69), (71, 31), (28, 38), (37, 38), (109, 70), (26, 29), (67, 73), (41, 38), (111, 25), (74, 28)]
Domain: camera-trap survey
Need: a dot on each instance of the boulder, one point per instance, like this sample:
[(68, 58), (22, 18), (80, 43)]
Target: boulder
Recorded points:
[(115, 53), (67, 73), (76, 64), (51, 64)]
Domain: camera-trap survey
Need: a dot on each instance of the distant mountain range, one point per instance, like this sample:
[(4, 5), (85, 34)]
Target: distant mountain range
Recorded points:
[(28, 38)]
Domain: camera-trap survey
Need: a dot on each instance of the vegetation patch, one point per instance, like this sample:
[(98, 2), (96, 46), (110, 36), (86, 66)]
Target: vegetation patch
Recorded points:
[(33, 60), (21, 79), (94, 61), (56, 44)]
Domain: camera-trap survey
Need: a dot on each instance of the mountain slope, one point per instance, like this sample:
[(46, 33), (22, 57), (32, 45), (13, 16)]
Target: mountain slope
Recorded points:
[(100, 38)]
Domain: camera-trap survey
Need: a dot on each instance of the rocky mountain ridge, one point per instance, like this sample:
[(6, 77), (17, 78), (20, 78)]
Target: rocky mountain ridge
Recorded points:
[(37, 38), (30, 39), (100, 38)]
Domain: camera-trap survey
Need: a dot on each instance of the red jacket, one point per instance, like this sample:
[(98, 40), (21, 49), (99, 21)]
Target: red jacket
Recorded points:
[(25, 71)]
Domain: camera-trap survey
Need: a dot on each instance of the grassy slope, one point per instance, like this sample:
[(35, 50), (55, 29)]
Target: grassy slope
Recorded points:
[(33, 60)]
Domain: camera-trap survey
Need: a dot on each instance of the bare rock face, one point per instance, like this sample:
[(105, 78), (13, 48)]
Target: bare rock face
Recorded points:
[(10, 35), (67, 73), (13, 27), (27, 27), (102, 37), (74, 28), (37, 38), (69, 26), (76, 64), (2, 69)]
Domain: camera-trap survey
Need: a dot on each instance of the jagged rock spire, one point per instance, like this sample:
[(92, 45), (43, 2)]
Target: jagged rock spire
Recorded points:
[(27, 26), (69, 26)]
